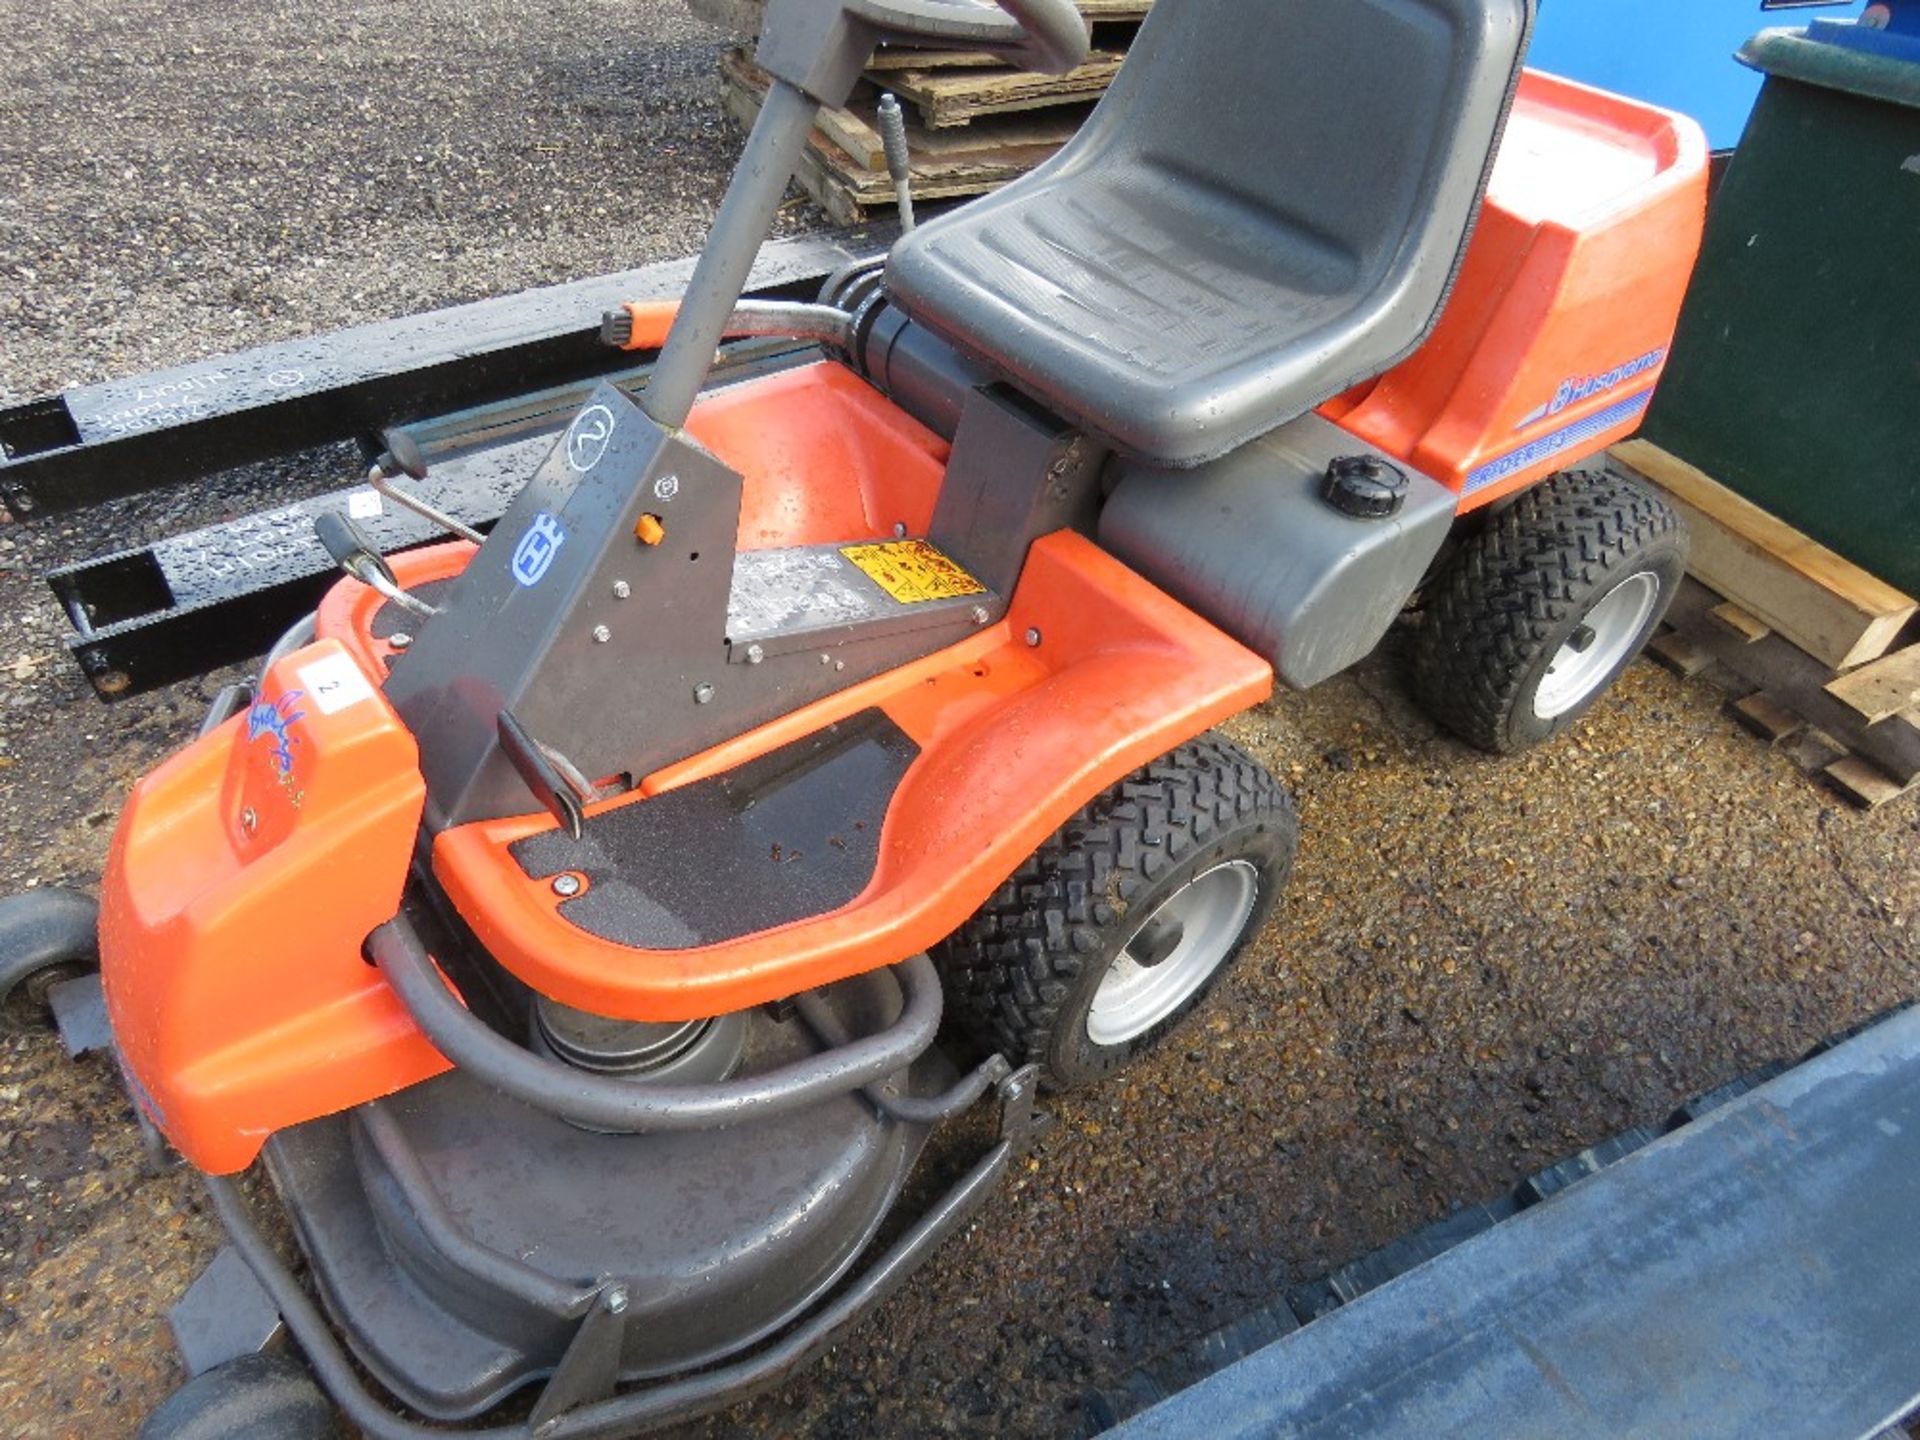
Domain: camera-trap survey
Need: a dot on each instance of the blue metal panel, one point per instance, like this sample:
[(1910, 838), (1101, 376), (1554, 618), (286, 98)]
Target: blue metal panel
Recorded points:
[(1751, 1274), (1676, 53)]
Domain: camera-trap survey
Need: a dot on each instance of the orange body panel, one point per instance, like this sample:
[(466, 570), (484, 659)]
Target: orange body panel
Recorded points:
[(1014, 739), (1558, 327), (245, 874), (824, 458)]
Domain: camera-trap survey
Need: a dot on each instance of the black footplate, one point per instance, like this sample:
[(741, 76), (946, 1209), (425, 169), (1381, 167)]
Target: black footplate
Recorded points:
[(785, 837)]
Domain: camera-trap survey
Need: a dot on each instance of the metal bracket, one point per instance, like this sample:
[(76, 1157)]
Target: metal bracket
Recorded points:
[(1022, 1121), (80, 1012), (226, 1313), (590, 1370), (535, 764)]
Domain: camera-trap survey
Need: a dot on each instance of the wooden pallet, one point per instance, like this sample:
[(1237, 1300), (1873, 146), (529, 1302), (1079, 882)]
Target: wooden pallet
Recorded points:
[(1844, 732), (946, 98), (834, 171), (973, 122), (844, 167), (1822, 602), (1806, 644)]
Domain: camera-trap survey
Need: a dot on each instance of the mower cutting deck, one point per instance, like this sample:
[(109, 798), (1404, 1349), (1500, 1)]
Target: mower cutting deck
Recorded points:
[(569, 911)]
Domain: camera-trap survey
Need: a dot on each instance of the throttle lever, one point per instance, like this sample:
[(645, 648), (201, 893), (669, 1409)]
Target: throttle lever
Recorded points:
[(359, 557), (402, 457)]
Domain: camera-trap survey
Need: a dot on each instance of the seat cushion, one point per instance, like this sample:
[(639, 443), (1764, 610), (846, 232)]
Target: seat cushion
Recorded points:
[(1266, 208)]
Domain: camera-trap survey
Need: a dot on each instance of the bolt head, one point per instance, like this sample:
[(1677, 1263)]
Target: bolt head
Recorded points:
[(755, 654), (702, 693), (621, 590), (566, 886), (1033, 635), (980, 614), (400, 640), (601, 634), (899, 529), (249, 820), (616, 1299)]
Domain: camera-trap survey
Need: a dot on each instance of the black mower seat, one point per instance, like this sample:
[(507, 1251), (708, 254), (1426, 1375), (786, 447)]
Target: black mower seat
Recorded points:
[(1267, 208)]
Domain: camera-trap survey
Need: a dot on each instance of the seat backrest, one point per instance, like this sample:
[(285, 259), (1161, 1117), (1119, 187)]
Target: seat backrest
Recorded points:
[(1319, 162), (1365, 125)]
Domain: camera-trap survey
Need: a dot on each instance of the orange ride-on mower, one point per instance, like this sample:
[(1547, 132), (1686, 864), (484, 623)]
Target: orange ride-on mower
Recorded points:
[(567, 915)]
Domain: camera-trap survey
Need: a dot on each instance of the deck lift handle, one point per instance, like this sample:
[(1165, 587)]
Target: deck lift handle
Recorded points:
[(814, 50)]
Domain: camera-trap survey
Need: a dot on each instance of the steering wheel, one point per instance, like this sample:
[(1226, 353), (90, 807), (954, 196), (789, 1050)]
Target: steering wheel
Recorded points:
[(1043, 35)]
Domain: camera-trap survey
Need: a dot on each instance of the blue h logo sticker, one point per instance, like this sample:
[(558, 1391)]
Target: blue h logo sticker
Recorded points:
[(535, 552)]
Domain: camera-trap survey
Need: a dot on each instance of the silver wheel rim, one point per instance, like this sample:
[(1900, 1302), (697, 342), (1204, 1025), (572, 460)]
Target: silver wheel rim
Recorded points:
[(1211, 910), (1615, 622)]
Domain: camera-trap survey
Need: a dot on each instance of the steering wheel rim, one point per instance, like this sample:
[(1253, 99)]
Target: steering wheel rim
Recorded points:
[(1046, 36)]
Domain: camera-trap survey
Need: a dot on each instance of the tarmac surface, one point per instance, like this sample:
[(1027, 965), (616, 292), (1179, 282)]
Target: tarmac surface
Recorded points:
[(1481, 966)]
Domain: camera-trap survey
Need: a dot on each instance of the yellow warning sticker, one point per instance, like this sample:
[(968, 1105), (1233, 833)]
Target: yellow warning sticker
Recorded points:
[(912, 571)]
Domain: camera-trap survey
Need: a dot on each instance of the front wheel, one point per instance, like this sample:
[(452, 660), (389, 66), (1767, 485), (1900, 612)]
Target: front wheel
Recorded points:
[(1115, 929), (1539, 613), (251, 1398)]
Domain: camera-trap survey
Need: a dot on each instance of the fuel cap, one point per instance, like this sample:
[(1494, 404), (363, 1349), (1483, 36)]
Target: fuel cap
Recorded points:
[(1365, 486)]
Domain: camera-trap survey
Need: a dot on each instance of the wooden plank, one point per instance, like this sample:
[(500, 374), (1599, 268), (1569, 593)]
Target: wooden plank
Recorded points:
[(907, 57), (996, 132), (953, 97), (1822, 602), (1794, 679), (855, 129), (853, 133), (1679, 654), (847, 192), (1767, 717), (944, 169), (1745, 624), (1115, 33), (743, 16), (1894, 745), (1885, 687), (1862, 784), (1813, 750)]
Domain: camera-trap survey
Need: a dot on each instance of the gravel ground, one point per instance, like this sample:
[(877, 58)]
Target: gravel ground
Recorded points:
[(1481, 966)]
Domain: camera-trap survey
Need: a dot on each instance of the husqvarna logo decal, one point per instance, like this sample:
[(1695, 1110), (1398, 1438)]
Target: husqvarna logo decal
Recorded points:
[(535, 552), (274, 720), (587, 441), (1582, 387)]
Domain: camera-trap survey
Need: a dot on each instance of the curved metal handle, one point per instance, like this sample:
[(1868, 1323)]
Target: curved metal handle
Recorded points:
[(604, 1102), (1048, 36)]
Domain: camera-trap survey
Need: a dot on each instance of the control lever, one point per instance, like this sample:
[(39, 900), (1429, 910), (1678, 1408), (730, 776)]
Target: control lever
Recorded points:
[(553, 779), (893, 140), (402, 457), (354, 553)]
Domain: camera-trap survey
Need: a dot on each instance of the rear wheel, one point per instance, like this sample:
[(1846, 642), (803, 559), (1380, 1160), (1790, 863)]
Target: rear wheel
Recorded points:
[(1539, 613), (1116, 928)]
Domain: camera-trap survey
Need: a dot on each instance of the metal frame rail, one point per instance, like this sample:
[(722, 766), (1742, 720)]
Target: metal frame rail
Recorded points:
[(1751, 1273), (484, 387)]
